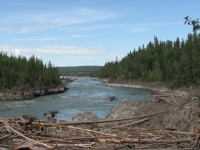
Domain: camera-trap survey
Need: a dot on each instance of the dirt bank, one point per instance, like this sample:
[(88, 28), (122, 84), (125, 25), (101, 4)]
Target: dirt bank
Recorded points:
[(30, 92), (170, 121), (155, 86), (34, 90), (183, 106)]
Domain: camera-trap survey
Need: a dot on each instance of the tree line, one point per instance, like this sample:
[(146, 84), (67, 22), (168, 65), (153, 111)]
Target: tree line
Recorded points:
[(79, 70), (17, 71), (176, 62)]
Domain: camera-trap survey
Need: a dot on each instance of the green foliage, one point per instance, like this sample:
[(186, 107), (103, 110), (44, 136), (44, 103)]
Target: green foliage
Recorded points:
[(194, 23), (177, 63), (80, 70), (17, 71), (197, 95)]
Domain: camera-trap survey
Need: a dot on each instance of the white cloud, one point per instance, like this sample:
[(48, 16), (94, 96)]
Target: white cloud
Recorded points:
[(88, 27), (37, 39), (61, 19), (158, 24), (65, 55), (55, 49), (29, 29), (140, 30), (163, 24), (17, 52), (79, 36), (147, 26), (5, 29)]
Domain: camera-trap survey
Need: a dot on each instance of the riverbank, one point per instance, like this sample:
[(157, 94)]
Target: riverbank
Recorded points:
[(31, 91), (28, 92), (170, 121), (183, 106), (154, 86), (139, 125)]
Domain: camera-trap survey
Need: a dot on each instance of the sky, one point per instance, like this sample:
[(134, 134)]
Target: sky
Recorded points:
[(90, 32)]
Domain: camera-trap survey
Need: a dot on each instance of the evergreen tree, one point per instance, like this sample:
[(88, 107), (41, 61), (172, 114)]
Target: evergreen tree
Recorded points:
[(175, 62), (17, 71)]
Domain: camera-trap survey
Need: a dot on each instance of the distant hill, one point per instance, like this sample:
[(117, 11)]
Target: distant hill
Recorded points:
[(79, 70)]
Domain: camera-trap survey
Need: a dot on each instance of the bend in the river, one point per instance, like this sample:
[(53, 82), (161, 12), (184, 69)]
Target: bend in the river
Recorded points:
[(84, 94)]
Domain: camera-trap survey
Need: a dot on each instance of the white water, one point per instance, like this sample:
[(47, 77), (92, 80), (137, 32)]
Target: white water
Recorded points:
[(84, 94)]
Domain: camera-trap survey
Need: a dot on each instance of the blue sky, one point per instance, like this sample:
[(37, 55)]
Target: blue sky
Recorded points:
[(90, 32)]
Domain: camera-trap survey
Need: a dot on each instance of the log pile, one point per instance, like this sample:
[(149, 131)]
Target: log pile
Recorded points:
[(123, 133), (168, 98)]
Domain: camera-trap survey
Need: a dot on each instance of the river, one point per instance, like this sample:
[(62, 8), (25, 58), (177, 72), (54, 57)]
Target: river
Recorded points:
[(84, 94)]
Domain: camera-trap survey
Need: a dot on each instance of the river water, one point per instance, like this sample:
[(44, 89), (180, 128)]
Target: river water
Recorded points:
[(84, 94)]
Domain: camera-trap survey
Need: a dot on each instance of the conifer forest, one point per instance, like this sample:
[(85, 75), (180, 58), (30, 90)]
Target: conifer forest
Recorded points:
[(19, 71), (175, 62)]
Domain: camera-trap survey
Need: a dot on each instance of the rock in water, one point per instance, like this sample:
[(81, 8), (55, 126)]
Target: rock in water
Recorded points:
[(26, 119), (111, 98), (50, 115)]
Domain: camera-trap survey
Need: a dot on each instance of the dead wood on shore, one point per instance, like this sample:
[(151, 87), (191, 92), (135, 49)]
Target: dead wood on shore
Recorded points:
[(65, 135), (168, 98)]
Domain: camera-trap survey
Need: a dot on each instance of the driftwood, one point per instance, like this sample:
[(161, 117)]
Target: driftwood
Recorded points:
[(65, 136), (1, 128), (53, 139), (164, 141), (31, 140), (184, 133), (133, 123), (197, 141), (29, 134), (167, 94), (119, 141), (125, 146), (5, 136), (173, 98), (99, 121), (168, 98), (143, 141), (75, 145), (87, 130)]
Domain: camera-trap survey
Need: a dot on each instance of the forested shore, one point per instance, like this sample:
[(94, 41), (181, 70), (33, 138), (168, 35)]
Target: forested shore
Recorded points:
[(173, 62), (17, 71), (22, 78), (79, 70)]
